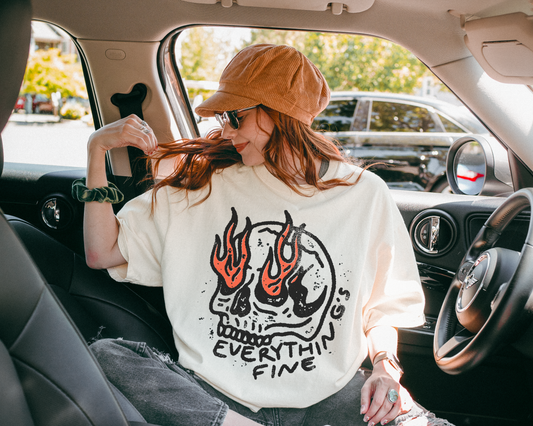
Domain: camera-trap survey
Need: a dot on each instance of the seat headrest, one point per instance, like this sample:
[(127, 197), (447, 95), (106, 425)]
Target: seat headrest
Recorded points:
[(15, 34)]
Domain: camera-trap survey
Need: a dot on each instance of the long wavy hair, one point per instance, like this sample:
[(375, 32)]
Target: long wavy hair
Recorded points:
[(197, 159)]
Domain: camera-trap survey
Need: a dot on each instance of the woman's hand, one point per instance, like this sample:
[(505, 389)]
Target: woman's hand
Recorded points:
[(375, 404), (128, 131)]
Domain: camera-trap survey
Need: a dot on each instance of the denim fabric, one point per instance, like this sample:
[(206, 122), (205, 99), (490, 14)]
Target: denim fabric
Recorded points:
[(162, 392), (169, 395)]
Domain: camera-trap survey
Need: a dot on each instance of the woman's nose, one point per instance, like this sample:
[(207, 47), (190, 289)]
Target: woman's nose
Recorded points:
[(228, 132)]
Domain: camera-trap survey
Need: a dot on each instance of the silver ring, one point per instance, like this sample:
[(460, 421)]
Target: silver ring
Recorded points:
[(144, 123), (392, 396), (145, 130)]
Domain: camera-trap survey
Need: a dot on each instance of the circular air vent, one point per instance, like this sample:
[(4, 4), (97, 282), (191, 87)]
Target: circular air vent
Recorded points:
[(433, 232), (56, 212)]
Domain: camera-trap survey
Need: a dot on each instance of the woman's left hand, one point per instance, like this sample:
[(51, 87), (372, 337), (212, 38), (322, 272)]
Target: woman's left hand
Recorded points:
[(375, 404)]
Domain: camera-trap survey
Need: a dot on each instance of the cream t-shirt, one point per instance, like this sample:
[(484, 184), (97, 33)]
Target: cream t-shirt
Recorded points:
[(270, 293)]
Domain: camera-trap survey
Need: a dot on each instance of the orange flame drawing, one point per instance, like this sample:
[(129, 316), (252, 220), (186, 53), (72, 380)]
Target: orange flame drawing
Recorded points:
[(231, 267), (272, 284)]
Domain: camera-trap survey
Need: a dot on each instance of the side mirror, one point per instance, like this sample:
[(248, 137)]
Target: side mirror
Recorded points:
[(476, 165)]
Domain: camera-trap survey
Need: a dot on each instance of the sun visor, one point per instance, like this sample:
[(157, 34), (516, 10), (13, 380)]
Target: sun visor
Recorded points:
[(350, 6), (503, 45)]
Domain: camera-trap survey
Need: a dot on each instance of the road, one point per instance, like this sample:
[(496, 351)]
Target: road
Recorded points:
[(34, 139)]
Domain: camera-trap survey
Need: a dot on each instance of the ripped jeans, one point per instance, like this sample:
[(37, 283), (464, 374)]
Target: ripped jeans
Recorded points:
[(167, 394)]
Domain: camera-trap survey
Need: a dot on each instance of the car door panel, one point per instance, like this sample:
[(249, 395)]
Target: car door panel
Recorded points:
[(40, 194)]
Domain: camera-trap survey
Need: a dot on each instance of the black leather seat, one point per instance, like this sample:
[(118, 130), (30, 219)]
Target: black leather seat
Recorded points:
[(99, 306), (48, 375)]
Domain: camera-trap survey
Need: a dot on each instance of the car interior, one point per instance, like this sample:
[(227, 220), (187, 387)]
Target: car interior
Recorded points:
[(469, 363)]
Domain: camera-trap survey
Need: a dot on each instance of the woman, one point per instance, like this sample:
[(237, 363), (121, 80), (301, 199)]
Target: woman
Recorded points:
[(283, 266)]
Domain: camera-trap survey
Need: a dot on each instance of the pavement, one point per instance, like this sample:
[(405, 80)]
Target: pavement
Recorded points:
[(21, 117)]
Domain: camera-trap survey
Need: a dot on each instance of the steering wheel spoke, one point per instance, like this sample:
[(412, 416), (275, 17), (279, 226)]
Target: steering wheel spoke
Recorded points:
[(458, 341), (498, 297)]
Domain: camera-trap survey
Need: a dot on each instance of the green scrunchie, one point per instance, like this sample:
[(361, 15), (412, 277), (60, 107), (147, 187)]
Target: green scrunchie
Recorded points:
[(105, 194)]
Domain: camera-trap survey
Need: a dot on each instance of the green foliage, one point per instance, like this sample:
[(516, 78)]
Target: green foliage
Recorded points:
[(72, 111), (204, 54), (349, 62), (49, 71), (353, 62)]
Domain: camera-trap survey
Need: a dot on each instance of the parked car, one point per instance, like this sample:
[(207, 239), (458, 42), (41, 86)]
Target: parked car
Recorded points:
[(407, 137), (470, 362), (41, 104), (21, 101)]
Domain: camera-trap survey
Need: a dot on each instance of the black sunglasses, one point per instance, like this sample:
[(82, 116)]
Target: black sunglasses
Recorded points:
[(230, 117)]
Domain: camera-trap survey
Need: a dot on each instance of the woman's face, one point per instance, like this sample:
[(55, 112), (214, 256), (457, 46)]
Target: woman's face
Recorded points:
[(255, 128)]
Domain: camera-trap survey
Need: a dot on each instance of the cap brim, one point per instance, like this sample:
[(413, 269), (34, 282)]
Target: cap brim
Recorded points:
[(223, 101)]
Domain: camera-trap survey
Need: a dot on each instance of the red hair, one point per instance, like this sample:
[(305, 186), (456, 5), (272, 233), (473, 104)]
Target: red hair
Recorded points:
[(197, 159)]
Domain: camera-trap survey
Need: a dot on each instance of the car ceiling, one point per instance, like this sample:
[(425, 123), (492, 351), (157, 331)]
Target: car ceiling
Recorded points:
[(441, 47), (141, 20)]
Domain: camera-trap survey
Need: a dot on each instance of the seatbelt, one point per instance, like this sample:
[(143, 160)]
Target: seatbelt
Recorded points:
[(131, 103)]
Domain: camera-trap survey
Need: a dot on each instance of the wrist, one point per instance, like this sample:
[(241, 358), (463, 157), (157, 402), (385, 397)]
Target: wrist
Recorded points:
[(96, 144), (96, 165), (389, 362)]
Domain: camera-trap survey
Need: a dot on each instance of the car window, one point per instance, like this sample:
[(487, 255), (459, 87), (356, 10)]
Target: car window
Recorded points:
[(51, 121), (449, 126), (386, 107), (349, 62), (337, 117), (397, 117)]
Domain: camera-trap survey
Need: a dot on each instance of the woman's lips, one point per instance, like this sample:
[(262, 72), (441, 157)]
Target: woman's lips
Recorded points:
[(240, 147)]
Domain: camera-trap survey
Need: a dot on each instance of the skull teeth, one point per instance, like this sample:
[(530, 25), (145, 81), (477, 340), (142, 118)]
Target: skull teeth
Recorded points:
[(242, 336)]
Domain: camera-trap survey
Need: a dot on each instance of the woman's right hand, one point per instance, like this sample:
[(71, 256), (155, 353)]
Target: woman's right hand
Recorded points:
[(128, 131)]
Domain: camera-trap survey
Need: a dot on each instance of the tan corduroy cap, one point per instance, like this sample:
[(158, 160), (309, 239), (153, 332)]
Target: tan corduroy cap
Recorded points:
[(278, 77)]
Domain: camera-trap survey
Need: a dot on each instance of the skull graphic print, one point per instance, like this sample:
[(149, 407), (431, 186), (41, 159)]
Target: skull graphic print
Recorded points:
[(274, 280)]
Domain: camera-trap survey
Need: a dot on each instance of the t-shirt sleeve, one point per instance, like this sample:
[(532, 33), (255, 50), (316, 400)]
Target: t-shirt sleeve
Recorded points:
[(140, 242), (397, 298)]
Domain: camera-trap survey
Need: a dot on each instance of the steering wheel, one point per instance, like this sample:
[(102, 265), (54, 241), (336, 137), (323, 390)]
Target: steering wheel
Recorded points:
[(488, 303)]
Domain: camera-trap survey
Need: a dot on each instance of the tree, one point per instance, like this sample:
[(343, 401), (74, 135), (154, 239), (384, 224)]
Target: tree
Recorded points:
[(353, 62), (49, 71), (203, 53)]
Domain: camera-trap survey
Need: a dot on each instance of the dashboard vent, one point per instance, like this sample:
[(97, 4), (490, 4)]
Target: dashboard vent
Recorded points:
[(433, 232)]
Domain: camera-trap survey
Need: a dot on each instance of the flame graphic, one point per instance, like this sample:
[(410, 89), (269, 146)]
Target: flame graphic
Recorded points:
[(231, 267), (272, 284)]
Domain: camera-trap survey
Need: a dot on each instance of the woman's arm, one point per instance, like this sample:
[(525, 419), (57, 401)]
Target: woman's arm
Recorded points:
[(374, 402), (100, 227)]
